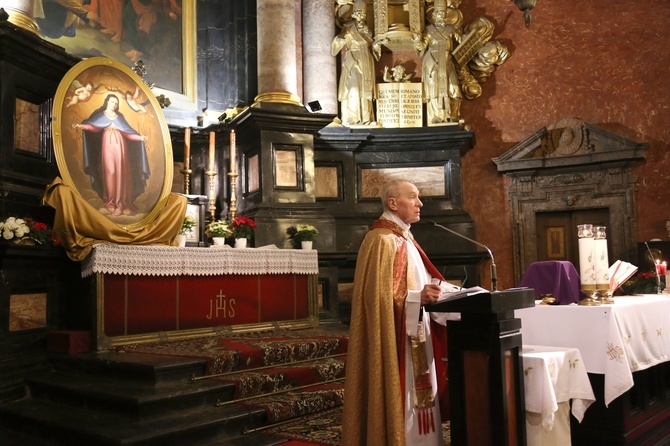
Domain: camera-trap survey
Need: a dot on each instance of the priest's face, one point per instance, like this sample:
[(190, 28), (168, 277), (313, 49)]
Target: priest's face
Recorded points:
[(406, 204)]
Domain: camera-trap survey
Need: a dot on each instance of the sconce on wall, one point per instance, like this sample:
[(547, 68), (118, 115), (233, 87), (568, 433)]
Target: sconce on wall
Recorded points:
[(525, 6)]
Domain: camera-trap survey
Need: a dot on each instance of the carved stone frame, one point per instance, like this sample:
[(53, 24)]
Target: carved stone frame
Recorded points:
[(571, 165)]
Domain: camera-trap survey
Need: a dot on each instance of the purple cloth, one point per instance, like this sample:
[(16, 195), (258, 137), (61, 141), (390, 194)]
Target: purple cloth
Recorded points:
[(558, 278)]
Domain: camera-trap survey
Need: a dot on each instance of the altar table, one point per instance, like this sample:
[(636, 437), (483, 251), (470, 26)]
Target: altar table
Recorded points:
[(615, 340), (553, 376), (146, 293)]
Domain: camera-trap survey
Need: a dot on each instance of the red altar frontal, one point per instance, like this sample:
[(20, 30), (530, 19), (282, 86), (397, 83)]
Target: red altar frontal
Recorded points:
[(147, 293)]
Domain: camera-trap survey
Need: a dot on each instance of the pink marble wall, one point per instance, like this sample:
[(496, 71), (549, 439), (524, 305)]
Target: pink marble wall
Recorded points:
[(601, 61)]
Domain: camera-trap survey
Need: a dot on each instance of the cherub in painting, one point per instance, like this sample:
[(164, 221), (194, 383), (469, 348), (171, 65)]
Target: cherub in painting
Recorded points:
[(81, 92)]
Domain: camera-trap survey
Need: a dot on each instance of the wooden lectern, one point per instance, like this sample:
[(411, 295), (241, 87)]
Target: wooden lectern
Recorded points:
[(485, 367)]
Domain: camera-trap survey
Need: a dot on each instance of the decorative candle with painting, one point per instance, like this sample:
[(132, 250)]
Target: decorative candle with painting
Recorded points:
[(587, 267), (601, 258)]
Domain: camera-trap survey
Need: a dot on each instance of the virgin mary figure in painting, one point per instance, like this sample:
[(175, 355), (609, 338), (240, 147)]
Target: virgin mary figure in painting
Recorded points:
[(115, 158)]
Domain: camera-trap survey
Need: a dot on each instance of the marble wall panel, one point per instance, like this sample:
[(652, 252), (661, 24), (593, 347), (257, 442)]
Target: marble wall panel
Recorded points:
[(27, 311)]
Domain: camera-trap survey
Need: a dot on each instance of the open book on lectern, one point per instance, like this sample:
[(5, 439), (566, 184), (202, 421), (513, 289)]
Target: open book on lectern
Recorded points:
[(450, 295)]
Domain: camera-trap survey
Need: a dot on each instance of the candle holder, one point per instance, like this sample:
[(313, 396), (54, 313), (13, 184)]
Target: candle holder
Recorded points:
[(212, 197), (186, 171), (233, 197), (587, 267), (660, 270), (187, 180)]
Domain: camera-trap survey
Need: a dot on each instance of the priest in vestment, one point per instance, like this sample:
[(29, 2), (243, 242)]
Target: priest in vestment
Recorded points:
[(395, 389)]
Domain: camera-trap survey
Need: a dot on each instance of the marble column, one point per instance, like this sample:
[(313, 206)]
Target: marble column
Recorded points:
[(319, 67), (22, 12), (277, 52)]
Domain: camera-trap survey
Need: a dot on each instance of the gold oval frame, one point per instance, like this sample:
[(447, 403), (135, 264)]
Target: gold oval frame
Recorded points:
[(107, 76)]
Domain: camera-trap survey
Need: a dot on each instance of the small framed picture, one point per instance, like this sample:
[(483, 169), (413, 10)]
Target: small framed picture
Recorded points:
[(196, 208), (287, 165)]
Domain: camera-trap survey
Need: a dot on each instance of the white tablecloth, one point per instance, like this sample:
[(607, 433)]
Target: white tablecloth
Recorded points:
[(614, 340), (554, 375), (173, 261)]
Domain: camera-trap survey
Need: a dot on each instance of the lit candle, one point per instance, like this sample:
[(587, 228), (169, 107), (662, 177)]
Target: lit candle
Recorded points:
[(661, 268), (211, 151), (233, 150), (187, 147)]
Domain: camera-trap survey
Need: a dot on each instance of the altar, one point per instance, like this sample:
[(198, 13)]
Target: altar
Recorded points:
[(625, 348), (147, 293)]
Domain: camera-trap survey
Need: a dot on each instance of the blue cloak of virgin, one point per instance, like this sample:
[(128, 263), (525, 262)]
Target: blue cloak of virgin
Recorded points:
[(138, 162)]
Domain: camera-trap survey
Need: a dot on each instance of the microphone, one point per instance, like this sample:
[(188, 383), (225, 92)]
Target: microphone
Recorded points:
[(494, 274)]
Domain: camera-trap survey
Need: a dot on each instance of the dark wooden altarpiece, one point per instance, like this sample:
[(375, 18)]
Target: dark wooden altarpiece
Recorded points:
[(34, 278)]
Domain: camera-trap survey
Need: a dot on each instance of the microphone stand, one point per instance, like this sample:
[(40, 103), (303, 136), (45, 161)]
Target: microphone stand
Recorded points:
[(494, 274)]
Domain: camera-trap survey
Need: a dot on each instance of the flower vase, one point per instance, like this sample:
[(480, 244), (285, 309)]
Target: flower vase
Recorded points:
[(241, 242), (181, 240), (219, 241), (306, 244)]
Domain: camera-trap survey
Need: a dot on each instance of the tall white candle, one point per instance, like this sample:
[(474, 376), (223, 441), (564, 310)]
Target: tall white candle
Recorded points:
[(187, 147), (587, 266), (233, 152), (601, 264), (211, 151)]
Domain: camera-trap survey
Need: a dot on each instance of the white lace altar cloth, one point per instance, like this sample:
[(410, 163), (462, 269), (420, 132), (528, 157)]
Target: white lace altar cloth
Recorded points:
[(171, 261), (614, 340)]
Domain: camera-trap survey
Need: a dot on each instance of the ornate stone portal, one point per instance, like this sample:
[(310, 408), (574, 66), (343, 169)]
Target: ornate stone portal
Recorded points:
[(445, 59), (563, 172)]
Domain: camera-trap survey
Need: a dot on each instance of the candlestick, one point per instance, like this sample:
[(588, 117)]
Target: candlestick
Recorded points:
[(233, 196), (587, 270), (659, 288), (212, 196), (602, 265), (187, 148), (233, 152), (186, 171), (661, 267), (187, 180), (211, 150), (211, 173)]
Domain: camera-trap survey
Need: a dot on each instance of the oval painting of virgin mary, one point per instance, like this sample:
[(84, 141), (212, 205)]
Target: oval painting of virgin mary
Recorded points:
[(112, 142)]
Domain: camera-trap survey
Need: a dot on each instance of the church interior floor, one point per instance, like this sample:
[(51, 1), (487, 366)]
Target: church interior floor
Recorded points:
[(146, 398)]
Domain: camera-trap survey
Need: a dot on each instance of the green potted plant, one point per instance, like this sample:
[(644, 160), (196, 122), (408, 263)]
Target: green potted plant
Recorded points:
[(187, 226), (218, 230), (243, 231), (302, 236)]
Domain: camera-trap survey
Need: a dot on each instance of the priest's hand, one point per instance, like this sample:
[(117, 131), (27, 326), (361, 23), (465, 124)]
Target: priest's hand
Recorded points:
[(430, 293)]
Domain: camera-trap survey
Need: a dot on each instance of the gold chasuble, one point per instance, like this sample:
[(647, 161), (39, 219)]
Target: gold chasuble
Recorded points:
[(374, 395)]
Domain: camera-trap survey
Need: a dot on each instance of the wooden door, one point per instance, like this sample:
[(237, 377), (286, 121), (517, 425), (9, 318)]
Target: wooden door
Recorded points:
[(557, 233)]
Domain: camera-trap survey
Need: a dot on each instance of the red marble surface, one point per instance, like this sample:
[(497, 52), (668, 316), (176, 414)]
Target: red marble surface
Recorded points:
[(601, 61)]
